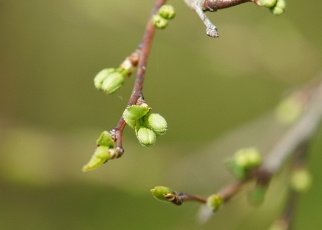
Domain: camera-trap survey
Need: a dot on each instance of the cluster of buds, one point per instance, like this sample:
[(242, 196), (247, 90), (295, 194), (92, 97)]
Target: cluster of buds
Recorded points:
[(165, 13), (110, 80), (105, 151), (148, 126), (277, 7), (243, 162)]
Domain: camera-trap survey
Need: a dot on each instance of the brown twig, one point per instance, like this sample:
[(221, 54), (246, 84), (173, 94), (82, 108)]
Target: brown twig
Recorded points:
[(188, 197), (200, 6), (143, 50)]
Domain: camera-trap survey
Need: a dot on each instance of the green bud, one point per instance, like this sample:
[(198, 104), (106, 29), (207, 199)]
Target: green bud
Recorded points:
[(248, 158), (101, 76), (301, 180), (281, 4), (159, 22), (244, 160), (167, 11), (279, 8), (100, 156), (133, 113), (289, 110), (276, 11), (105, 139), (113, 82), (257, 195), (159, 191), (145, 136), (254, 157), (156, 122), (241, 158), (267, 3), (214, 202)]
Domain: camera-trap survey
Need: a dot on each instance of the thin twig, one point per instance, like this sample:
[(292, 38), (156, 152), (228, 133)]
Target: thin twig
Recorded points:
[(144, 50), (200, 6), (188, 197)]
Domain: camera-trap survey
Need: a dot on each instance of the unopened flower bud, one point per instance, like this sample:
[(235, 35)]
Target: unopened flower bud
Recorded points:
[(289, 110), (145, 136), (167, 11), (243, 162), (105, 139), (267, 3), (248, 157), (241, 158), (281, 4), (276, 11), (279, 8), (254, 157), (214, 202), (301, 180), (113, 82), (159, 21), (101, 76), (156, 122), (159, 191)]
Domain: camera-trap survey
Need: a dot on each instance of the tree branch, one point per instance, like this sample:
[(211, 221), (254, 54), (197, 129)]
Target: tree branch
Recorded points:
[(143, 51), (293, 142), (200, 6)]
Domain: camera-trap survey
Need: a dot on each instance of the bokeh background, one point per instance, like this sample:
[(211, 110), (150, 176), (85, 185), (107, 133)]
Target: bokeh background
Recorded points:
[(216, 94)]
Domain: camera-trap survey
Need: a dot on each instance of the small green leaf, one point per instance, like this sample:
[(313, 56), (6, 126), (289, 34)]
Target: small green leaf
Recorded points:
[(159, 191), (105, 139), (133, 113), (100, 156)]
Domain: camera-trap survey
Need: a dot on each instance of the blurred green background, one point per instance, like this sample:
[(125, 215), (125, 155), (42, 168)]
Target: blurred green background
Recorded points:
[(216, 94)]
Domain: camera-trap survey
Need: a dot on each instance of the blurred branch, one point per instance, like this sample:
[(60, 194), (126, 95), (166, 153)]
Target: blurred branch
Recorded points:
[(285, 221), (300, 132), (294, 141)]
